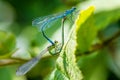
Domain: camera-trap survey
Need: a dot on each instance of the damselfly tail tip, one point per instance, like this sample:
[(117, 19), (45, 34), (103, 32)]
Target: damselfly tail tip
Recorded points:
[(19, 73)]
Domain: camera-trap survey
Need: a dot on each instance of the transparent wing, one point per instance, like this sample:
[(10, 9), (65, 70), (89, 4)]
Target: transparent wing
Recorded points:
[(39, 21), (45, 21), (22, 70)]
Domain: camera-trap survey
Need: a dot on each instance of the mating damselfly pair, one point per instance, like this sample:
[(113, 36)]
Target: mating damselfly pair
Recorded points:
[(55, 47)]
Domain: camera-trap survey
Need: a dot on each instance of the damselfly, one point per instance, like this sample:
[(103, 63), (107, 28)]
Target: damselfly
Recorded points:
[(53, 49)]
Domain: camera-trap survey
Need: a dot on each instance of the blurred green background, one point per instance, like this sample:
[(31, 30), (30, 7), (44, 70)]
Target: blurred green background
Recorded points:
[(19, 41)]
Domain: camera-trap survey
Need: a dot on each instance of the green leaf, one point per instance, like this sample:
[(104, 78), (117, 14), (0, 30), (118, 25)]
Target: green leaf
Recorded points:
[(86, 31), (66, 67)]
